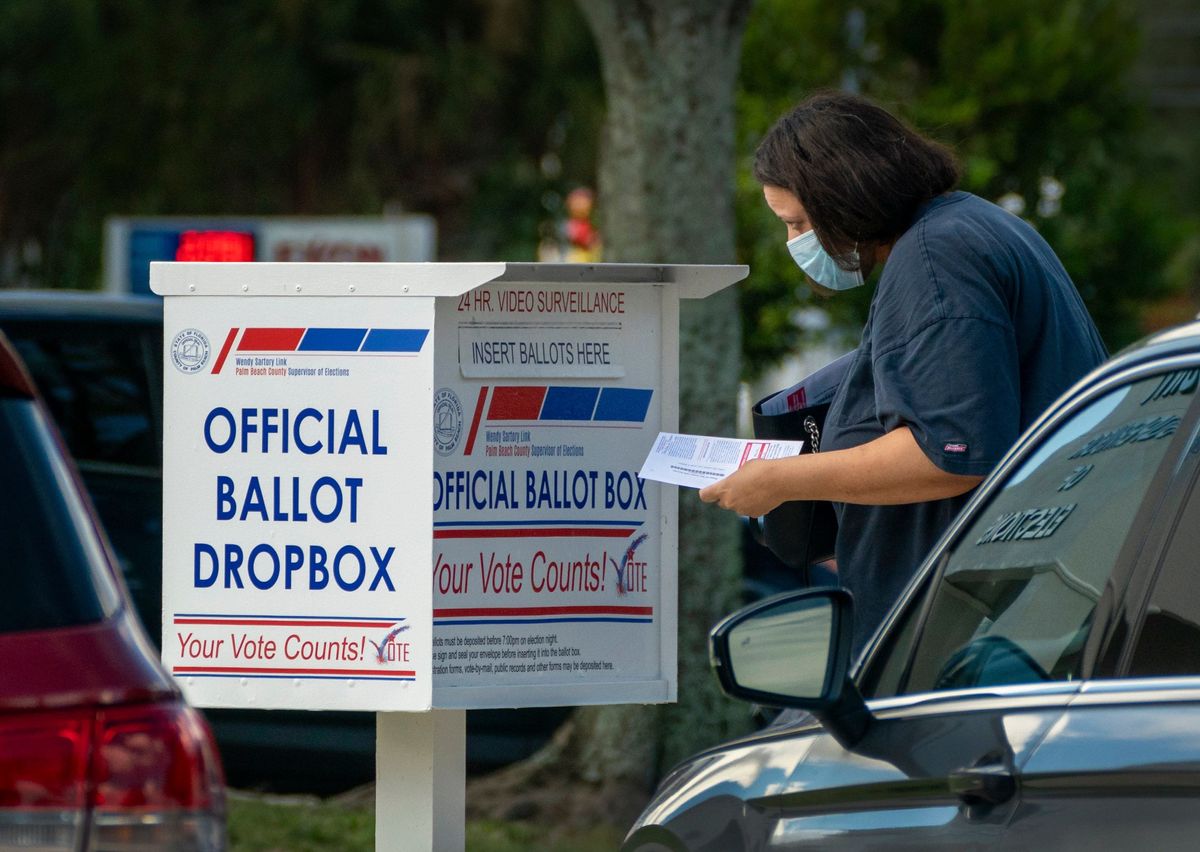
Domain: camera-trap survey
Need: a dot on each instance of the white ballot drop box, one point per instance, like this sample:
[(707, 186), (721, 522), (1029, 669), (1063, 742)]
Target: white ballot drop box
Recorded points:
[(397, 487)]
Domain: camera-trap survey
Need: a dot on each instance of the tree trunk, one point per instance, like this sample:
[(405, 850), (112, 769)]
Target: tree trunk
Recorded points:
[(666, 186)]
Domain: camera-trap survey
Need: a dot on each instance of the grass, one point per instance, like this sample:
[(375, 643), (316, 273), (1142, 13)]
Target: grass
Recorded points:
[(299, 824)]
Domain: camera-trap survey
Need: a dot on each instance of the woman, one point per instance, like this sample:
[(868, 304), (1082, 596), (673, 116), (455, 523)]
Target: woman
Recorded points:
[(974, 329)]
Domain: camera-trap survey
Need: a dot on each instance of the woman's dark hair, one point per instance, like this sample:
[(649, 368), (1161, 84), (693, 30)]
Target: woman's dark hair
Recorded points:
[(860, 172)]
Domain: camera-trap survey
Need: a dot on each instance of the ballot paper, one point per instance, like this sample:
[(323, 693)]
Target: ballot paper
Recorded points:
[(816, 389), (695, 461)]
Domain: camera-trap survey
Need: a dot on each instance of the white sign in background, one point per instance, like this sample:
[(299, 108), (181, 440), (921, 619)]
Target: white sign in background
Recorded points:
[(296, 501), (326, 239), (546, 566)]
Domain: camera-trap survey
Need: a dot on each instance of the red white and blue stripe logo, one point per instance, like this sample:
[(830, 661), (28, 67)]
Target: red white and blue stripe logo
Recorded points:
[(555, 405), (322, 341)]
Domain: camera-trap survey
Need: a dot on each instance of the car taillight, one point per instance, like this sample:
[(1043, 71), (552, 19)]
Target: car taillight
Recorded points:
[(127, 778), (43, 780), (156, 781)]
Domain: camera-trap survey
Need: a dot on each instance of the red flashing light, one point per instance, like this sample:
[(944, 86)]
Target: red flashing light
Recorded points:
[(222, 246)]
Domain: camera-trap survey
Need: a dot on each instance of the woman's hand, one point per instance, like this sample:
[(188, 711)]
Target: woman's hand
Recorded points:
[(747, 491)]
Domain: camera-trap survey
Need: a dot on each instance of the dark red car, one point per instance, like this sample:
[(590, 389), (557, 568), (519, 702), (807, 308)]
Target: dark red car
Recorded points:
[(98, 749)]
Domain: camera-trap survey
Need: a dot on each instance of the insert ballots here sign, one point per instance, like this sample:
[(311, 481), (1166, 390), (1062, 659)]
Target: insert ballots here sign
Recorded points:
[(547, 568), (297, 525)]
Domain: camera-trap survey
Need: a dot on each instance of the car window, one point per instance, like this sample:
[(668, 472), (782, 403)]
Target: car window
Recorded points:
[(885, 671), (1168, 640), (1014, 601), (96, 379), (48, 555)]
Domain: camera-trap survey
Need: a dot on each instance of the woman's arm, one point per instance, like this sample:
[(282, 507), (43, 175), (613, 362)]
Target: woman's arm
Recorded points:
[(890, 470)]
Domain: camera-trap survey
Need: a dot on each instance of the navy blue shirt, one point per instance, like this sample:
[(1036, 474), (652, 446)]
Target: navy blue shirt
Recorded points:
[(974, 329)]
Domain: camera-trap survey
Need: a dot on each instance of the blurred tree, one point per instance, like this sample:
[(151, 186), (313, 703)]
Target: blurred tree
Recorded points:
[(790, 50), (666, 181), (458, 109), (1034, 95), (666, 195)]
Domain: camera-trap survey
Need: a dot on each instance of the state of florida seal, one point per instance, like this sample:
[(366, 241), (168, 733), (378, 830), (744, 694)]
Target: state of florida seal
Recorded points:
[(190, 350), (447, 421)]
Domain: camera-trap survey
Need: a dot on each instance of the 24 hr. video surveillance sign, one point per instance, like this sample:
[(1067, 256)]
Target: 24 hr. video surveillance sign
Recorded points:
[(296, 560), (547, 559)]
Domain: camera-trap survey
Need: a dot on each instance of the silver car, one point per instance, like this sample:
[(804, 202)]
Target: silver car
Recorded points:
[(1036, 686)]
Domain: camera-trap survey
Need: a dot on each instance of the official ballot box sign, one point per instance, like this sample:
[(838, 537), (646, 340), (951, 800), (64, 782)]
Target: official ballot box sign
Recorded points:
[(393, 487)]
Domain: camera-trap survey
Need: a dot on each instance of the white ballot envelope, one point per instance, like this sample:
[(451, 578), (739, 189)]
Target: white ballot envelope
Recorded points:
[(695, 461)]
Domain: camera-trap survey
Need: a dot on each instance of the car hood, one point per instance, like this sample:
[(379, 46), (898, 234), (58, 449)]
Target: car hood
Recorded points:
[(761, 764)]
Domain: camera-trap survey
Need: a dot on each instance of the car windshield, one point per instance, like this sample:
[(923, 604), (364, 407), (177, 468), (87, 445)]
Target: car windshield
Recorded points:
[(49, 558)]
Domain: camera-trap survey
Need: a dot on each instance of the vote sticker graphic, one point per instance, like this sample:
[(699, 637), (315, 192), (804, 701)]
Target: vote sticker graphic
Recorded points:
[(447, 421), (190, 350)]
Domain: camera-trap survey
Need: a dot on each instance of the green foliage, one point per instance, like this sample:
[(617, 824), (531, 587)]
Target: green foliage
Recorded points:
[(485, 112), (287, 106), (791, 48), (1023, 91)]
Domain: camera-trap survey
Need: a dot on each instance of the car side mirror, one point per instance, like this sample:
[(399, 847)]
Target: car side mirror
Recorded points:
[(793, 650)]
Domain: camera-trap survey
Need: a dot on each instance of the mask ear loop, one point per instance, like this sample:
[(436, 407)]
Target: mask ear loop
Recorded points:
[(857, 257)]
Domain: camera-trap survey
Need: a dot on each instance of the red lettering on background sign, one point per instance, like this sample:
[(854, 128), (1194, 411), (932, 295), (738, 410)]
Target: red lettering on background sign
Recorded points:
[(318, 251)]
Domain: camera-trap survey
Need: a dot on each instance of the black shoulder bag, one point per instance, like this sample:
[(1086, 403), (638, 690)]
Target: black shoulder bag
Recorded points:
[(799, 532)]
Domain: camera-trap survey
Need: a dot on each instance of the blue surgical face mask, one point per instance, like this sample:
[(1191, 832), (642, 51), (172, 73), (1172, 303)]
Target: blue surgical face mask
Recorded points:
[(819, 266)]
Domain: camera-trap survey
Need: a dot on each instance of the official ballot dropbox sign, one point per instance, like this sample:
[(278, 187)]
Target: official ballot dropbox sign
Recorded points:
[(400, 487)]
